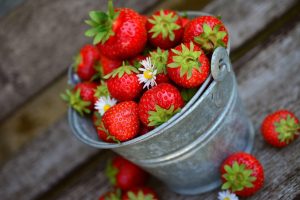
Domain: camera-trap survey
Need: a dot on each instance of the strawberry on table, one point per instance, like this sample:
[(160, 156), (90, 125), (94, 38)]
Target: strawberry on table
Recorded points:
[(159, 104), (124, 174), (141, 193), (121, 121), (86, 62), (280, 128), (123, 83), (187, 65), (164, 29), (208, 32), (112, 195), (242, 174), (159, 59), (120, 33), (81, 98)]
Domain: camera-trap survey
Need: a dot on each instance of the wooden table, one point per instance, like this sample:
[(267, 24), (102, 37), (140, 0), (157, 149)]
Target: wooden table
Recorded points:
[(39, 157)]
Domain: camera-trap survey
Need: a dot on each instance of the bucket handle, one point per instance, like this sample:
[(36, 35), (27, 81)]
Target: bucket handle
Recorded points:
[(220, 64)]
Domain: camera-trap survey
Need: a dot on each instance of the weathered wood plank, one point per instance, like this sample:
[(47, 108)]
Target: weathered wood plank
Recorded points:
[(38, 40), (245, 18), (33, 171), (54, 171), (269, 81)]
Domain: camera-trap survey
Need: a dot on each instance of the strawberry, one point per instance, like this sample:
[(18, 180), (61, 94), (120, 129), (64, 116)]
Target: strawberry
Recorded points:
[(120, 33), (112, 195), (108, 65), (164, 29), (185, 21), (188, 66), (101, 131), (81, 98), (124, 174), (159, 104), (207, 31), (280, 128), (141, 193), (121, 122), (123, 83), (242, 173), (159, 59), (136, 61), (86, 62)]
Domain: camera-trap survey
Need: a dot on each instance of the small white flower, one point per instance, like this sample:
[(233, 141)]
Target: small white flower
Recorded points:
[(148, 74), (104, 103), (227, 195)]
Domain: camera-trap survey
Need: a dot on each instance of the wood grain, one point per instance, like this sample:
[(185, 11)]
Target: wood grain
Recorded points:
[(38, 40), (267, 83)]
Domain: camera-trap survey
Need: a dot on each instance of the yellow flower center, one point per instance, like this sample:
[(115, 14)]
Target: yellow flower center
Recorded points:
[(226, 198), (148, 74), (106, 107)]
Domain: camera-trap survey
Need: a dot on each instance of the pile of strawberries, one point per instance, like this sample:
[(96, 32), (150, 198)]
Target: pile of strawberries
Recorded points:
[(128, 181), (141, 70)]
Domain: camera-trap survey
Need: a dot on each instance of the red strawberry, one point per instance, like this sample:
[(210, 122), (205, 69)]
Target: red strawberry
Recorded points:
[(280, 128), (120, 33), (124, 174), (164, 29), (184, 21), (101, 131), (242, 173), (122, 121), (159, 104), (207, 31), (112, 195), (81, 98), (136, 61), (142, 193), (123, 83), (86, 62), (108, 65), (159, 59), (188, 66)]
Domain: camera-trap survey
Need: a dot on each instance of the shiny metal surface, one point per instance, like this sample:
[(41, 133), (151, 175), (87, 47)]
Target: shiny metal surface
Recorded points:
[(186, 152)]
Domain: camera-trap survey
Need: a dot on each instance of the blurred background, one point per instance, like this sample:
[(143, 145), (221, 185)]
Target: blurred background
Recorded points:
[(38, 40)]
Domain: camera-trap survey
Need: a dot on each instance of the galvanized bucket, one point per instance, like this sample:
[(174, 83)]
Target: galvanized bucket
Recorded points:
[(186, 152)]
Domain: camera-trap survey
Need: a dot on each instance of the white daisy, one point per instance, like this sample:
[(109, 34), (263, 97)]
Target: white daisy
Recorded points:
[(104, 103), (227, 195), (148, 75)]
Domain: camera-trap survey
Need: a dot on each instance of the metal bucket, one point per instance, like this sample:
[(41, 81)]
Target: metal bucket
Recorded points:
[(186, 152)]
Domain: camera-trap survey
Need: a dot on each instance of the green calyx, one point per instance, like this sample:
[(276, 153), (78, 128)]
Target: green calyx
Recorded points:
[(75, 101), (114, 195), (237, 177), (101, 24), (161, 115), (187, 59), (120, 71), (140, 196), (188, 93), (287, 129), (159, 60), (76, 61), (102, 90), (164, 24), (210, 39), (111, 172)]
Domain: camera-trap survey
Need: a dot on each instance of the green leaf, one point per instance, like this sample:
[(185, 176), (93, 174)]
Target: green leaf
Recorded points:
[(206, 28)]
